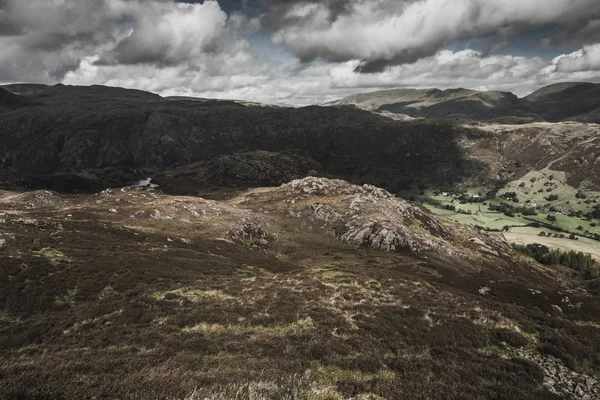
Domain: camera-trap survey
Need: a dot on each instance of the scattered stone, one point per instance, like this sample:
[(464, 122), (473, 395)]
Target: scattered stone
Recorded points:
[(484, 290), (477, 241), (560, 380), (557, 308)]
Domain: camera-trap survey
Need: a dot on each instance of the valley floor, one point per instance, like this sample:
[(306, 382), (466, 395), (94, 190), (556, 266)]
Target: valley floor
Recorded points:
[(525, 236)]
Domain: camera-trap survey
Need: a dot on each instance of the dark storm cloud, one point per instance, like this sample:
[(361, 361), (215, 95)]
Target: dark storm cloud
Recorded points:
[(43, 40), (8, 27), (404, 57), (586, 31), (277, 15), (335, 7)]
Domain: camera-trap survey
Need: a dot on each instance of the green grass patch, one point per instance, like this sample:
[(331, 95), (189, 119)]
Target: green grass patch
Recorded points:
[(56, 257), (67, 299), (106, 292), (297, 327), (333, 274)]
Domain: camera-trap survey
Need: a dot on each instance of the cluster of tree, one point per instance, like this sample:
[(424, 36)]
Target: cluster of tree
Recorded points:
[(552, 197), (595, 212), (512, 196), (582, 262), (451, 207), (510, 210), (572, 236), (465, 198)]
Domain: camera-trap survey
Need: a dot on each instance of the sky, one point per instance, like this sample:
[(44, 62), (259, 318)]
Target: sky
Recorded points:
[(299, 52)]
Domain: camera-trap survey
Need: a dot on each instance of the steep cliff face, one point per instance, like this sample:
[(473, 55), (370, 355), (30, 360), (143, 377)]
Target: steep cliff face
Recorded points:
[(259, 168)]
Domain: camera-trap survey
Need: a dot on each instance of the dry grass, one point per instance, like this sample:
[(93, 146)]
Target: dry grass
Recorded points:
[(210, 319)]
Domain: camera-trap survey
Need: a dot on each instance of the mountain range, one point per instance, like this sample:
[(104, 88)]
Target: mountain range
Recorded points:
[(66, 137), (555, 103)]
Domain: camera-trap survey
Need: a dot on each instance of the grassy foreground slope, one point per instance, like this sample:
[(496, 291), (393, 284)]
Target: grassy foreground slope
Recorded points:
[(314, 290)]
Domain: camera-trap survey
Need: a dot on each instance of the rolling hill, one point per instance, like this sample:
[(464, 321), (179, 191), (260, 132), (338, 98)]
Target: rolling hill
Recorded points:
[(554, 103)]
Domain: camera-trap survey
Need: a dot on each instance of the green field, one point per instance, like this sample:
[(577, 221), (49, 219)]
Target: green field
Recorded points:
[(533, 190), (525, 236)]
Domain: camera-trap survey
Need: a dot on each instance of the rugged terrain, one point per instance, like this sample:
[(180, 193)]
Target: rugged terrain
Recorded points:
[(253, 271), (317, 289), (86, 138)]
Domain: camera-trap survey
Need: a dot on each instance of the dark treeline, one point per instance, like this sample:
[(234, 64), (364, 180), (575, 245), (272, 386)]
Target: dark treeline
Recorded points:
[(581, 262)]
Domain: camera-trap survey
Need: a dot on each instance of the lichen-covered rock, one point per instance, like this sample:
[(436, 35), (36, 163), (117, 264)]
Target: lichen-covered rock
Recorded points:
[(325, 213), (378, 237)]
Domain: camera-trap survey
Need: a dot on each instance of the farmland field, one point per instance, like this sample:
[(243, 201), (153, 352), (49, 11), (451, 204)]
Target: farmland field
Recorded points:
[(525, 236)]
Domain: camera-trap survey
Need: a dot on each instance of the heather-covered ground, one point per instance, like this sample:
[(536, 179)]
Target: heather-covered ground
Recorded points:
[(314, 290)]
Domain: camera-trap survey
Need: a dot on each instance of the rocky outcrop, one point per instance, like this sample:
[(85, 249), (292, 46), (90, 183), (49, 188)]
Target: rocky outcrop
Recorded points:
[(562, 381), (37, 199), (371, 217)]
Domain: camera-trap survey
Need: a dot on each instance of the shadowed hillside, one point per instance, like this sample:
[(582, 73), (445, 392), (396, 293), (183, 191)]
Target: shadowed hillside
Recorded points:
[(76, 129), (567, 101), (10, 101)]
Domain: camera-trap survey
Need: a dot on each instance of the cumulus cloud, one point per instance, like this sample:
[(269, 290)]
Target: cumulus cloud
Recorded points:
[(47, 39), (586, 59), (322, 82), (391, 32), (168, 33), (295, 52)]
